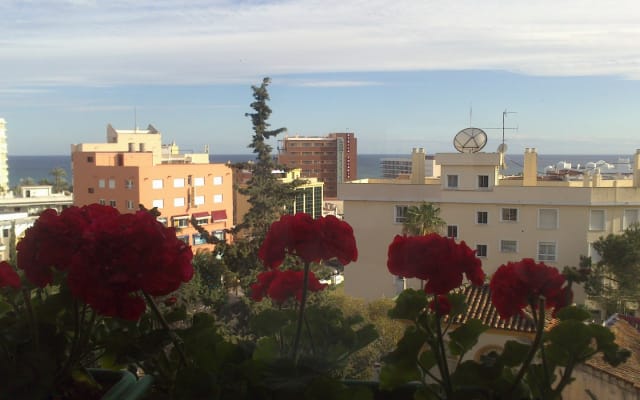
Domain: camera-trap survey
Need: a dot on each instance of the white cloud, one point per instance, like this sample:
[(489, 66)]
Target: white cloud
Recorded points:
[(85, 42)]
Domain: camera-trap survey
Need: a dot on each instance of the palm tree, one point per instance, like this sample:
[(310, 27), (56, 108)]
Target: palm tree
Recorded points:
[(422, 219), (59, 179)]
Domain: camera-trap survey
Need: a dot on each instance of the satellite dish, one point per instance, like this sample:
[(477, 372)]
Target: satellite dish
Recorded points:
[(470, 140), (502, 148)]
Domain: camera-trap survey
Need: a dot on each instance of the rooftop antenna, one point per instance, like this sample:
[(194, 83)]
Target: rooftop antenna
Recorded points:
[(470, 113), (135, 120), (504, 114)]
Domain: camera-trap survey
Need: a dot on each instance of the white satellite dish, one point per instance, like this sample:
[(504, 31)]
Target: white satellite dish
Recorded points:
[(470, 140), (502, 148)]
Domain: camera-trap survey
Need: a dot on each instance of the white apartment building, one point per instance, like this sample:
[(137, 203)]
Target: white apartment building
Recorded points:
[(550, 219)]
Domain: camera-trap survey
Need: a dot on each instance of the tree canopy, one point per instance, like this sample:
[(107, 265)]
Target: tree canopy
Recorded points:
[(422, 219)]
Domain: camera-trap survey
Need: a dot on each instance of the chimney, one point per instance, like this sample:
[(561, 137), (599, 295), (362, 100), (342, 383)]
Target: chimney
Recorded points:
[(417, 165), (530, 170), (636, 169), (597, 177)]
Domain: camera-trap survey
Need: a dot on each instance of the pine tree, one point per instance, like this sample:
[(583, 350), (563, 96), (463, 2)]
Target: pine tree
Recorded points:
[(267, 195)]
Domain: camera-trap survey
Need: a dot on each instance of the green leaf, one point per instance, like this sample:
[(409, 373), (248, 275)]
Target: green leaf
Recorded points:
[(573, 313), (427, 360), (514, 353), (466, 336), (569, 339), (5, 308), (394, 375), (458, 304), (267, 349), (409, 304), (270, 321)]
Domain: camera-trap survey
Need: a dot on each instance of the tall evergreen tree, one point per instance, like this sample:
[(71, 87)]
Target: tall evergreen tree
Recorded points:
[(267, 195)]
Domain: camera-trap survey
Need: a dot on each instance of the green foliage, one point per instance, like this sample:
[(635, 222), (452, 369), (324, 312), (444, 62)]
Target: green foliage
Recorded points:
[(613, 280), (422, 219), (465, 337)]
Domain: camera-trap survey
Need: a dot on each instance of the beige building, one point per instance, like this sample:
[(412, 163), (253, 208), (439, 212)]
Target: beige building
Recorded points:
[(551, 219)]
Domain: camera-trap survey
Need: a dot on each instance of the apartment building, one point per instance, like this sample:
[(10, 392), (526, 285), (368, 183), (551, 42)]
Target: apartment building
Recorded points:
[(332, 159), (134, 168), (551, 219), (393, 167)]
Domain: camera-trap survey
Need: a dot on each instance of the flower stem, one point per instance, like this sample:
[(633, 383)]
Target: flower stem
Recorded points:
[(165, 325), (303, 302), (534, 346), (446, 377)]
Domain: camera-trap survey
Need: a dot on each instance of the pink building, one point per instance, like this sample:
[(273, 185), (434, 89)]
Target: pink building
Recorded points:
[(133, 168)]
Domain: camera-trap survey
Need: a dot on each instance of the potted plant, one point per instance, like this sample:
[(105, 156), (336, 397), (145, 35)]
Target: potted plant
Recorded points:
[(83, 282)]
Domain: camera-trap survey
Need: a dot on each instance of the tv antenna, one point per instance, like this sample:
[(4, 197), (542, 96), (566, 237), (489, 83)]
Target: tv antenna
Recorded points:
[(504, 115)]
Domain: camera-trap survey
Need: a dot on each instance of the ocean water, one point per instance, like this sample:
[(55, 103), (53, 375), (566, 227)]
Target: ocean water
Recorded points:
[(39, 167)]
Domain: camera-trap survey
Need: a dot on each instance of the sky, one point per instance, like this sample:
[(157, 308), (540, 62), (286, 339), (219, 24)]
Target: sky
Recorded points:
[(400, 74)]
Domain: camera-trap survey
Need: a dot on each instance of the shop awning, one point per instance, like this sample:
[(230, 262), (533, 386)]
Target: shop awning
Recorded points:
[(219, 215)]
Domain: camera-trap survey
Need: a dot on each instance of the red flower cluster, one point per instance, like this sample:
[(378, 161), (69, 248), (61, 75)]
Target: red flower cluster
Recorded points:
[(109, 257), (310, 239), (517, 285), (439, 261), (443, 307), (8, 277), (283, 285)]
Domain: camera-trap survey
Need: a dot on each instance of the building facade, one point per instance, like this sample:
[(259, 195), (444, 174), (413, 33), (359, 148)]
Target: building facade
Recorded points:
[(4, 162), (393, 167), (332, 159), (133, 168), (502, 218)]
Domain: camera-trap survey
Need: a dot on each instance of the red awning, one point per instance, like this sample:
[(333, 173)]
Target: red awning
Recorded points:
[(180, 216), (219, 215), (200, 214)]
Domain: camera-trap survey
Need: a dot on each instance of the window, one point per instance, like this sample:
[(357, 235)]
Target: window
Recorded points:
[(128, 183), (508, 246), (481, 250), (630, 218), (178, 182), (548, 218), (509, 214), (452, 181), (112, 203), (198, 181), (156, 184), (198, 239), (90, 159), (130, 205), (400, 214), (202, 221), (220, 235), (90, 190), (101, 183), (483, 181), (184, 238), (546, 251), (217, 198), (596, 220), (178, 202), (180, 222), (593, 253), (482, 217), (159, 203), (102, 202), (452, 231), (112, 183), (217, 180), (198, 200), (162, 220), (5, 233)]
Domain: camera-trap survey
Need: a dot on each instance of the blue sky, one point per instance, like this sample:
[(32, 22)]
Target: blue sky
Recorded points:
[(400, 74)]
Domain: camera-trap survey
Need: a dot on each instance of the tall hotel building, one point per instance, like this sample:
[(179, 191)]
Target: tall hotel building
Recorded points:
[(332, 159), (4, 164), (134, 167)]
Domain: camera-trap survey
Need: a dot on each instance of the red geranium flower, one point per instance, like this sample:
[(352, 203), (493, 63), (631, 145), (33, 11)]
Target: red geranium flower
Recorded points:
[(8, 276), (123, 254), (283, 285), (517, 285), (438, 260), (311, 240), (444, 305)]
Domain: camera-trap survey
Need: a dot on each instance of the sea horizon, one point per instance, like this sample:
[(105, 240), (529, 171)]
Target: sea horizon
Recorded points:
[(38, 167)]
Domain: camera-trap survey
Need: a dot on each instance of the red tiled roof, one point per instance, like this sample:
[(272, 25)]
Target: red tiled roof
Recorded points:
[(628, 338), (479, 306), (219, 215)]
